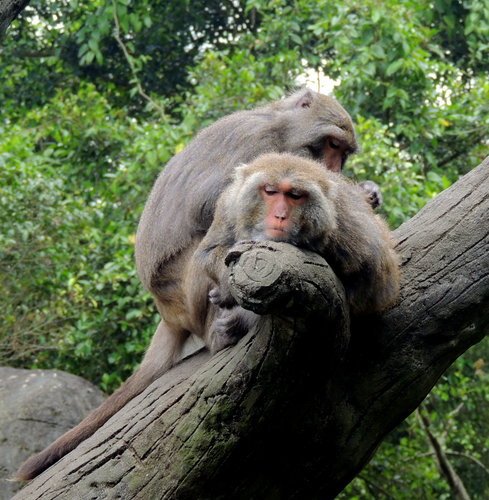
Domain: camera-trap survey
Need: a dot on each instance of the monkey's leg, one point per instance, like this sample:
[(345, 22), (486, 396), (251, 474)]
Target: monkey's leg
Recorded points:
[(164, 349)]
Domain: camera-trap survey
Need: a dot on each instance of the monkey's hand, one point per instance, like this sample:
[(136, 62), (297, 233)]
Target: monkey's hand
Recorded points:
[(374, 196), (230, 325), (221, 296)]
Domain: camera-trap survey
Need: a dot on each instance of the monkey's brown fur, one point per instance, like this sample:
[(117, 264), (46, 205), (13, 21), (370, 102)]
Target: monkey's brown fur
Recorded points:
[(335, 221), (178, 214)]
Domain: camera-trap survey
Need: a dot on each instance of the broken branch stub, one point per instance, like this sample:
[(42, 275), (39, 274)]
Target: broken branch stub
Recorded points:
[(267, 277), (278, 278)]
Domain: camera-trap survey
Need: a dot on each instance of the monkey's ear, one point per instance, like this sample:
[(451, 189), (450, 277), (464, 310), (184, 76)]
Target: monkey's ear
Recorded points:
[(240, 171), (305, 100)]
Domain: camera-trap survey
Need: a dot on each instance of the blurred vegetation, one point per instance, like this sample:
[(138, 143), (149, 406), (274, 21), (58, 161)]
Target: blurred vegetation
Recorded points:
[(96, 96)]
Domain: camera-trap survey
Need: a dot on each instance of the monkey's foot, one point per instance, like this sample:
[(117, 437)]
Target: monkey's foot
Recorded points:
[(230, 326)]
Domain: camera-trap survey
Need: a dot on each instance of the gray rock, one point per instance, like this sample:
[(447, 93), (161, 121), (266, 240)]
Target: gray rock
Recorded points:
[(37, 406)]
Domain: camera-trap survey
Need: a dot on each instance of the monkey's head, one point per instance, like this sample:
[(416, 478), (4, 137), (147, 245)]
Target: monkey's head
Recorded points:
[(282, 197), (318, 127)]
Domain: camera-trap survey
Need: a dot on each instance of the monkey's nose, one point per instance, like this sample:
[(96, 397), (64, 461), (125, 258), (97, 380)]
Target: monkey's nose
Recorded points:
[(281, 215)]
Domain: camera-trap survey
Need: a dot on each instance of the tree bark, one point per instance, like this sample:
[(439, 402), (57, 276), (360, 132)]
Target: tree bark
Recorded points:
[(9, 10), (293, 411)]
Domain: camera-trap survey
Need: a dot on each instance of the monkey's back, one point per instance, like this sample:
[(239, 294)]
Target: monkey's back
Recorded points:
[(182, 202)]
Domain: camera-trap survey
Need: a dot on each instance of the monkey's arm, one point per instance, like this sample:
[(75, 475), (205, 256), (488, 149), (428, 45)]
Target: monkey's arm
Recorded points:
[(211, 253), (363, 252), (225, 322)]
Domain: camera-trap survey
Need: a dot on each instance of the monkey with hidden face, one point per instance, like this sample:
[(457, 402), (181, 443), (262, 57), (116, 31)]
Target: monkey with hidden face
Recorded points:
[(178, 214)]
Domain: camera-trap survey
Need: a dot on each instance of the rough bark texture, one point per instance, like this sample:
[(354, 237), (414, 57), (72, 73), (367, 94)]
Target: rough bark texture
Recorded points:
[(282, 415), (9, 10)]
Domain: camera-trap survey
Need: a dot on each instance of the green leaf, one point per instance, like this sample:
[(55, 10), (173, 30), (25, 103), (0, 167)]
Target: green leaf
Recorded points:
[(394, 67)]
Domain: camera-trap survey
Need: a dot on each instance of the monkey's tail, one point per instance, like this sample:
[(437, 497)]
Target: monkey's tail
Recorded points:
[(133, 386)]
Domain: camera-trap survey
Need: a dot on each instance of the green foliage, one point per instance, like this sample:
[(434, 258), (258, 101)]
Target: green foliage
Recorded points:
[(63, 41), (226, 82), (381, 161), (97, 96), (74, 177)]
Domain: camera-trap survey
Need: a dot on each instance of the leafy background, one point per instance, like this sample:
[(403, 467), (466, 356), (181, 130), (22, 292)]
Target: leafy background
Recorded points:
[(97, 95)]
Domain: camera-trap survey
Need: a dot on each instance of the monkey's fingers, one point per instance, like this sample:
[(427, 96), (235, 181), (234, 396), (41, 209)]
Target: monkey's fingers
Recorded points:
[(221, 299), (374, 196)]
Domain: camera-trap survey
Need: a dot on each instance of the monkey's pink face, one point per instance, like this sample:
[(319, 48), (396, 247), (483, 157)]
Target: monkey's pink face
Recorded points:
[(281, 200), (332, 150), (334, 154)]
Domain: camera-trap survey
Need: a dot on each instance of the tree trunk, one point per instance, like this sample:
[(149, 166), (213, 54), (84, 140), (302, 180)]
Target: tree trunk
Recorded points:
[(9, 10), (292, 411)]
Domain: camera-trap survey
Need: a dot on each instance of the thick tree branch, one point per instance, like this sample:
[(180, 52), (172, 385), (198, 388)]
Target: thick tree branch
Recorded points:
[(281, 414), (9, 10)]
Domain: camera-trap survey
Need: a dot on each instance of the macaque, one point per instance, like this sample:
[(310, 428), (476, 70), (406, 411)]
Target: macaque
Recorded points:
[(178, 214), (281, 197)]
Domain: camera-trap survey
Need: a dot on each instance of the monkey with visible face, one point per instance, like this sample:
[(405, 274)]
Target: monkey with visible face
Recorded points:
[(281, 197), (181, 205), (178, 214), (180, 208)]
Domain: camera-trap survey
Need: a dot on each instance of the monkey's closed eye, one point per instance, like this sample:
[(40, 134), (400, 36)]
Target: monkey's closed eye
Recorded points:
[(316, 148), (334, 143), (295, 195), (269, 190)]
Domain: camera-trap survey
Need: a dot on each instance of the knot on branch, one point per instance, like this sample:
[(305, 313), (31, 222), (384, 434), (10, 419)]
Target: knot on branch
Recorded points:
[(270, 277), (280, 279)]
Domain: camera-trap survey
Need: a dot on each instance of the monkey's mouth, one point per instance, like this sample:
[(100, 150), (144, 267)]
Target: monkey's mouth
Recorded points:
[(276, 233)]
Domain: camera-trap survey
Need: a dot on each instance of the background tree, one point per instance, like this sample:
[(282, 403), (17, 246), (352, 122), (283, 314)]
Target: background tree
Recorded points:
[(80, 147)]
